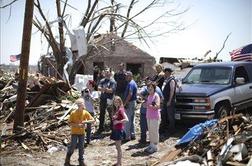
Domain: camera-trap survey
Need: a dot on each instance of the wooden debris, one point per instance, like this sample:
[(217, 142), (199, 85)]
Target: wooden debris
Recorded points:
[(213, 146), (169, 156), (42, 112)]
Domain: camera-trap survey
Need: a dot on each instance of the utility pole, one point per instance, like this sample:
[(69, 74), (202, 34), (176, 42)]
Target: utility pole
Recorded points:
[(23, 67)]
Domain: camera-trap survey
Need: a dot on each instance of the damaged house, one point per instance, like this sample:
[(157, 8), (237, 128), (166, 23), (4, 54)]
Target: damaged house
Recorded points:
[(110, 50), (107, 50)]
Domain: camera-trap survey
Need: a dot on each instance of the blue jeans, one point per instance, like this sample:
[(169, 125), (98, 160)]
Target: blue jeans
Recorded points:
[(89, 129), (143, 123), (103, 107), (76, 141), (130, 125)]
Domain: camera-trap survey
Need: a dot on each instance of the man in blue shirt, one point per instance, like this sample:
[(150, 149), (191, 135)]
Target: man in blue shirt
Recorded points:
[(130, 105)]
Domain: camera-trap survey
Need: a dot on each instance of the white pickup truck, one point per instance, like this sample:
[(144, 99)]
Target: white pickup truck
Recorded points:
[(213, 90)]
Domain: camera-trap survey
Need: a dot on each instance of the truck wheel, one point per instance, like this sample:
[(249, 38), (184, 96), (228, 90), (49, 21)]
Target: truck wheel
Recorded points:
[(222, 111)]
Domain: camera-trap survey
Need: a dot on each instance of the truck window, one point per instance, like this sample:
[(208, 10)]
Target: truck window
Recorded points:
[(241, 72), (213, 75)]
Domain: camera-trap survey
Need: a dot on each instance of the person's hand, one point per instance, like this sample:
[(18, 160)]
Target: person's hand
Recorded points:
[(115, 122), (80, 125)]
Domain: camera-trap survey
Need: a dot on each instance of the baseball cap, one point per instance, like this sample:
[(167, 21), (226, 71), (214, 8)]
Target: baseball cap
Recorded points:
[(128, 73), (168, 69)]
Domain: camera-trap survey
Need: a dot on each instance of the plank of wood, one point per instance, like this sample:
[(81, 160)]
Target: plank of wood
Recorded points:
[(235, 163), (24, 146), (66, 113), (169, 156)]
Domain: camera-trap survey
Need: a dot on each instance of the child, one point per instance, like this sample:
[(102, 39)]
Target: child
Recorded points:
[(118, 133), (90, 96), (78, 118)]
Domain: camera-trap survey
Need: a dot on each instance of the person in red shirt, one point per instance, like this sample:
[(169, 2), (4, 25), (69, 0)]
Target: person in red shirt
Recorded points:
[(118, 133)]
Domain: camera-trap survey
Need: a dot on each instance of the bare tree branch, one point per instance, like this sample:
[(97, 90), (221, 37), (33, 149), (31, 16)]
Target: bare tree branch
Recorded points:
[(86, 17), (9, 4), (112, 18), (95, 26), (128, 15), (68, 5), (64, 8), (54, 43), (87, 11), (223, 46)]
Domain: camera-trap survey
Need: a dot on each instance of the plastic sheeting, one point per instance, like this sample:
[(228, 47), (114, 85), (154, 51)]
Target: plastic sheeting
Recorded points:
[(81, 81), (196, 131)]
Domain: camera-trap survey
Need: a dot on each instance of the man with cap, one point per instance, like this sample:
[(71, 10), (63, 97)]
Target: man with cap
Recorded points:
[(130, 97), (167, 125)]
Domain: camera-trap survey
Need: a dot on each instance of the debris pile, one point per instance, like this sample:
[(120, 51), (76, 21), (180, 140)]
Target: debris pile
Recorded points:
[(228, 142), (48, 103)]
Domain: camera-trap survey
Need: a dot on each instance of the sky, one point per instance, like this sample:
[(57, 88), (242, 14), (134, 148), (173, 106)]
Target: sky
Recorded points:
[(208, 24)]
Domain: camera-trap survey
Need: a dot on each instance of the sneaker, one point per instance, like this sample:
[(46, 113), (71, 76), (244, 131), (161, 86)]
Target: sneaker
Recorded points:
[(147, 149), (152, 150)]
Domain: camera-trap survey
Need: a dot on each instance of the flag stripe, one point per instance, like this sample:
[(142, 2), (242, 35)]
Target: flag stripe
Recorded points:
[(14, 58), (242, 54)]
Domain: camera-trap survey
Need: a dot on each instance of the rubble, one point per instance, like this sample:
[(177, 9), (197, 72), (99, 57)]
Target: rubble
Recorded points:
[(229, 142), (48, 103)]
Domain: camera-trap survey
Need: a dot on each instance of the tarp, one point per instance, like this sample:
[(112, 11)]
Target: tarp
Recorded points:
[(196, 131)]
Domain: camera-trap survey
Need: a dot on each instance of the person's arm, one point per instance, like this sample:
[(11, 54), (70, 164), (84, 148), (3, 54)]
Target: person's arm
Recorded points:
[(108, 90), (172, 88), (74, 124), (100, 88), (143, 93), (156, 106), (89, 119), (112, 88), (124, 120), (128, 98)]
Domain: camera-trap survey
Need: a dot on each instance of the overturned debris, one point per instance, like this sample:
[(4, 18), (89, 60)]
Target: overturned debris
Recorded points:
[(229, 142), (48, 100)]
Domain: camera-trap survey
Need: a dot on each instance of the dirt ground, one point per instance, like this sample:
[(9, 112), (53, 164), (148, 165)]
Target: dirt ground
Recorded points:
[(101, 152)]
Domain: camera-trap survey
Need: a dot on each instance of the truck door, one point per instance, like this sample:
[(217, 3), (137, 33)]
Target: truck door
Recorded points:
[(242, 92)]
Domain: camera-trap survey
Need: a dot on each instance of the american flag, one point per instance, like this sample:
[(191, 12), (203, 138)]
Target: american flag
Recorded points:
[(14, 58), (242, 54)]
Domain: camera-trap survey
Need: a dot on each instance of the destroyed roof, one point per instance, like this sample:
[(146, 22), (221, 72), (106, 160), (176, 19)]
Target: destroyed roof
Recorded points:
[(103, 45)]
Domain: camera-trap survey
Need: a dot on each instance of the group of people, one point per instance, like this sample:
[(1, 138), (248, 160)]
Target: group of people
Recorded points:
[(118, 96)]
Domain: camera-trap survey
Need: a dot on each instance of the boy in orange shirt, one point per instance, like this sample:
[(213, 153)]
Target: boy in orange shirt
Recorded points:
[(77, 120)]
